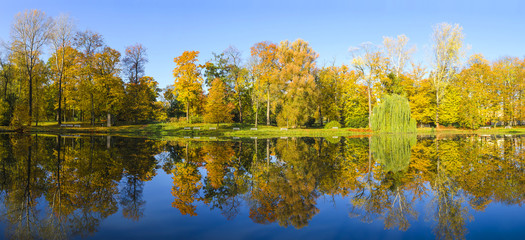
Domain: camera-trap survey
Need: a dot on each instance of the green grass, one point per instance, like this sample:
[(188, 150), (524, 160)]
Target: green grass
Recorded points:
[(176, 130)]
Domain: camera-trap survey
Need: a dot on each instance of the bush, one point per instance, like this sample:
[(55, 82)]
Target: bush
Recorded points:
[(332, 124), (4, 113), (196, 119), (20, 116)]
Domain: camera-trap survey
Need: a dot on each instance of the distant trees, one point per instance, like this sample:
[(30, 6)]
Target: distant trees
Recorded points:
[(81, 79), (84, 79), (30, 32)]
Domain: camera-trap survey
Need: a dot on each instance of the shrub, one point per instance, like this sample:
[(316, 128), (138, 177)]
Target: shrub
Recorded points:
[(332, 124), (4, 113)]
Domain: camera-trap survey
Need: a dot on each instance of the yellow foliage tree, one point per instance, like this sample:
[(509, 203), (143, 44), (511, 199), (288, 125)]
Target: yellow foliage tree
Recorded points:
[(188, 79)]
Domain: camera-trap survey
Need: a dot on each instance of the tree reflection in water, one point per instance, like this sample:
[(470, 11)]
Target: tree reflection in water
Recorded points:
[(60, 186)]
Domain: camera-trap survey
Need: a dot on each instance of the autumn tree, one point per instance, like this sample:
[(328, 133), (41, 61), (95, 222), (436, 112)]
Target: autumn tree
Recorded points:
[(134, 62), (263, 71), (188, 79), (141, 99), (239, 77), (507, 72), (447, 50), (108, 83), (7, 79), (397, 53), (297, 68), (330, 82), (368, 67), (30, 32), (61, 38), (217, 109), (88, 44), (397, 56)]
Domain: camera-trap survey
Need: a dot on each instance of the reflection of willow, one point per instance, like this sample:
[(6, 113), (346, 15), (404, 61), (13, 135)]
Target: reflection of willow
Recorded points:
[(284, 190), (393, 151), (383, 193)]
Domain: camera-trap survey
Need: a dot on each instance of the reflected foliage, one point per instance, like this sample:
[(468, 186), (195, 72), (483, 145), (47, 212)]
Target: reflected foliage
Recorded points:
[(55, 187), (61, 186)]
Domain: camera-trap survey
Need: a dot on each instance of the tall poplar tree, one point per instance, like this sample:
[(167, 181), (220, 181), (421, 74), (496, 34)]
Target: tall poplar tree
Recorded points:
[(447, 50), (188, 79), (217, 108), (30, 32), (61, 38)]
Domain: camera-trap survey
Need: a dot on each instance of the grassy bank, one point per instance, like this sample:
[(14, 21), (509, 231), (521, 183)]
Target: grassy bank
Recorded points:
[(178, 130)]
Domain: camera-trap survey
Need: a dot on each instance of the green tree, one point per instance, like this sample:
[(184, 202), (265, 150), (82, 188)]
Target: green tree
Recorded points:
[(392, 115)]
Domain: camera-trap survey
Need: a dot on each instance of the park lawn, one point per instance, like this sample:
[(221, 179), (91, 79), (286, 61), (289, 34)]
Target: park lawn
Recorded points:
[(177, 130)]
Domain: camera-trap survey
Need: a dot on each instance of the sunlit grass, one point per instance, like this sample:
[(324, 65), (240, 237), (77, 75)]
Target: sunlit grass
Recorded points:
[(180, 130)]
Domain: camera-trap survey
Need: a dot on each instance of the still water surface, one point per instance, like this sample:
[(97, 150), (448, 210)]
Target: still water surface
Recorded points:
[(380, 187)]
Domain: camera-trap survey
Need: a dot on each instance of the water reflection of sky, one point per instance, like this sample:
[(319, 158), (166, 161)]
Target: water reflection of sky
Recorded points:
[(332, 222), (339, 211)]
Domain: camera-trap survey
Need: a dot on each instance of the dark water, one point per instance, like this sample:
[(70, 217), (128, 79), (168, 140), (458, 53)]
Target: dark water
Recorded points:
[(389, 187)]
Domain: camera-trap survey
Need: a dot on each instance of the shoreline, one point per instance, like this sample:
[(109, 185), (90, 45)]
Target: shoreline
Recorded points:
[(171, 130)]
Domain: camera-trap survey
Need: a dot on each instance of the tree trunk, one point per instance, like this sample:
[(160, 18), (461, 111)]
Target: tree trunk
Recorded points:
[(108, 124), (369, 107), (60, 98), (92, 111), (267, 152), (60, 95), (5, 87), (437, 112), (268, 108), (188, 112), (320, 115), (256, 112), (30, 97), (240, 109)]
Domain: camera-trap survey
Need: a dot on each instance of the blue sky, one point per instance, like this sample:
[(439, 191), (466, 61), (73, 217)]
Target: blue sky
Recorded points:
[(167, 28)]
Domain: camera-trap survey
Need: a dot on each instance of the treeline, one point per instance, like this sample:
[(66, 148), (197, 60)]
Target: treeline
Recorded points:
[(282, 84), (84, 79), (279, 84)]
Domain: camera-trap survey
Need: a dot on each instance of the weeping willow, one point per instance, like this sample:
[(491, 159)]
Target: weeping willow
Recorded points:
[(393, 151), (392, 115)]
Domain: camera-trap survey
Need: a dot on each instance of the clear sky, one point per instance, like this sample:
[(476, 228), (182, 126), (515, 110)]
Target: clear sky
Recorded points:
[(167, 28)]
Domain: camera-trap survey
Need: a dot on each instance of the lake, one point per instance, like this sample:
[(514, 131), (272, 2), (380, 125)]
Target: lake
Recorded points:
[(378, 187)]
